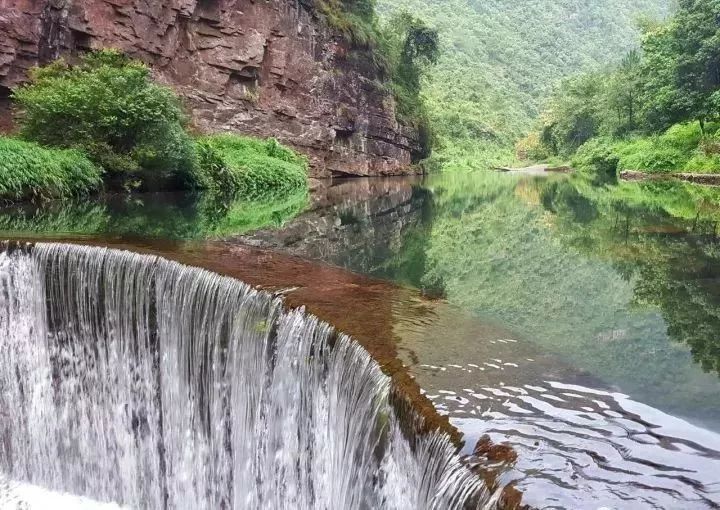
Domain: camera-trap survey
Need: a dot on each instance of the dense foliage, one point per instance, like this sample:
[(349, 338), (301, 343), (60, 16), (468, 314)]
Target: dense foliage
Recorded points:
[(28, 170), (109, 107), (655, 111), (249, 166), (499, 60), (411, 49)]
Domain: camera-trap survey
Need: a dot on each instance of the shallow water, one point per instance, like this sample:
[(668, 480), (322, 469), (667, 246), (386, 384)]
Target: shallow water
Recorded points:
[(579, 325)]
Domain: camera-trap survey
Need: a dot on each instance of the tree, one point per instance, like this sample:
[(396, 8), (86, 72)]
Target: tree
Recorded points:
[(574, 113), (412, 47), (623, 94), (682, 63)]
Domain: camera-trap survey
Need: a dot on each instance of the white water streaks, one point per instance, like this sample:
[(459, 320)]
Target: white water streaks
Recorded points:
[(30, 497), (140, 383), (584, 448)]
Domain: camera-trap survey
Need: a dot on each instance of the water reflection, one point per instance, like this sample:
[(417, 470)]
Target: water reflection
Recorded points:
[(374, 226), (615, 291), (581, 444), (153, 215)]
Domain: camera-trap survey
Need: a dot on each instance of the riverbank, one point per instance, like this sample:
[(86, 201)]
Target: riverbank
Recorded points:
[(539, 169), (221, 164), (706, 179)]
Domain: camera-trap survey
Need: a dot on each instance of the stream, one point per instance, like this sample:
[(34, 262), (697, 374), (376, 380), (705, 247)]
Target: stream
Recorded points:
[(578, 323)]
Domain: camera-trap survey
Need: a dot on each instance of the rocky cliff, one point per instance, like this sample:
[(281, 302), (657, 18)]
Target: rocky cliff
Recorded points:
[(268, 68)]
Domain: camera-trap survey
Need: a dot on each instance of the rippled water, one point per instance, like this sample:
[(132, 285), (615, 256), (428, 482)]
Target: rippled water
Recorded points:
[(581, 443), (586, 448)]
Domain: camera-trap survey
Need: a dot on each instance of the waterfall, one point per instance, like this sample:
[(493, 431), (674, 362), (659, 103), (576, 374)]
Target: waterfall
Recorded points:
[(135, 381)]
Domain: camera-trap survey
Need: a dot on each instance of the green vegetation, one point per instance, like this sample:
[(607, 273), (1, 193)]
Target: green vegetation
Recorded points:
[(355, 20), (108, 107), (411, 48), (105, 123), (223, 218), (179, 216), (28, 170), (249, 166), (628, 277), (499, 60), (656, 111), (662, 237)]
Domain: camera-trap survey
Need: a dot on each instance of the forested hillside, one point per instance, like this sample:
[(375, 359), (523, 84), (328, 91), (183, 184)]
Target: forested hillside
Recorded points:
[(501, 58), (658, 110)]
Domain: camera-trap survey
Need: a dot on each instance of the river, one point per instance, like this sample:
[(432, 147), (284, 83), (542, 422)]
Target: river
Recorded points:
[(578, 323)]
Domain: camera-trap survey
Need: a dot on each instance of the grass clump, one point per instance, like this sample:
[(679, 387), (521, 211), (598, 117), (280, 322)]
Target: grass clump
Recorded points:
[(28, 170), (249, 166), (682, 148)]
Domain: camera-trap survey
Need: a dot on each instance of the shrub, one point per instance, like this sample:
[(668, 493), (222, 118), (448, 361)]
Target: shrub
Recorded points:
[(709, 163), (108, 106), (251, 167), (650, 155), (531, 148), (28, 170), (671, 151), (354, 20), (598, 157)]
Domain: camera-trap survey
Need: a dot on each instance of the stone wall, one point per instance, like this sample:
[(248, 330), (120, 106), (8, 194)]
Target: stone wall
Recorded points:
[(268, 68)]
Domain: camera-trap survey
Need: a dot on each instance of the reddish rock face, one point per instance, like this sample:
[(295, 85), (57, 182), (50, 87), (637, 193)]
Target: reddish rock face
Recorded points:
[(267, 68)]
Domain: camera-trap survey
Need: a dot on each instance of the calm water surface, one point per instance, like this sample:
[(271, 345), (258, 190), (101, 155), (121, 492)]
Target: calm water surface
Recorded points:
[(579, 324)]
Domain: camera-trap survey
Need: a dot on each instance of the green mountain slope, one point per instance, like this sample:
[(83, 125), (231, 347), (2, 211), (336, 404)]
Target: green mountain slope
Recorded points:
[(501, 58)]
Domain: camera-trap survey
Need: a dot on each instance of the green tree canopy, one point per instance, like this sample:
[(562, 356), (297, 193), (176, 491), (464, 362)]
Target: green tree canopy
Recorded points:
[(682, 65)]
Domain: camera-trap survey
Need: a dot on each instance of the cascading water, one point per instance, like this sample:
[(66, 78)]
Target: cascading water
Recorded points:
[(131, 379)]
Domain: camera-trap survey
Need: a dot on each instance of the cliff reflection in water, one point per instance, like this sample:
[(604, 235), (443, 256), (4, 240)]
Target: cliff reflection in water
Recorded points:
[(373, 226)]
